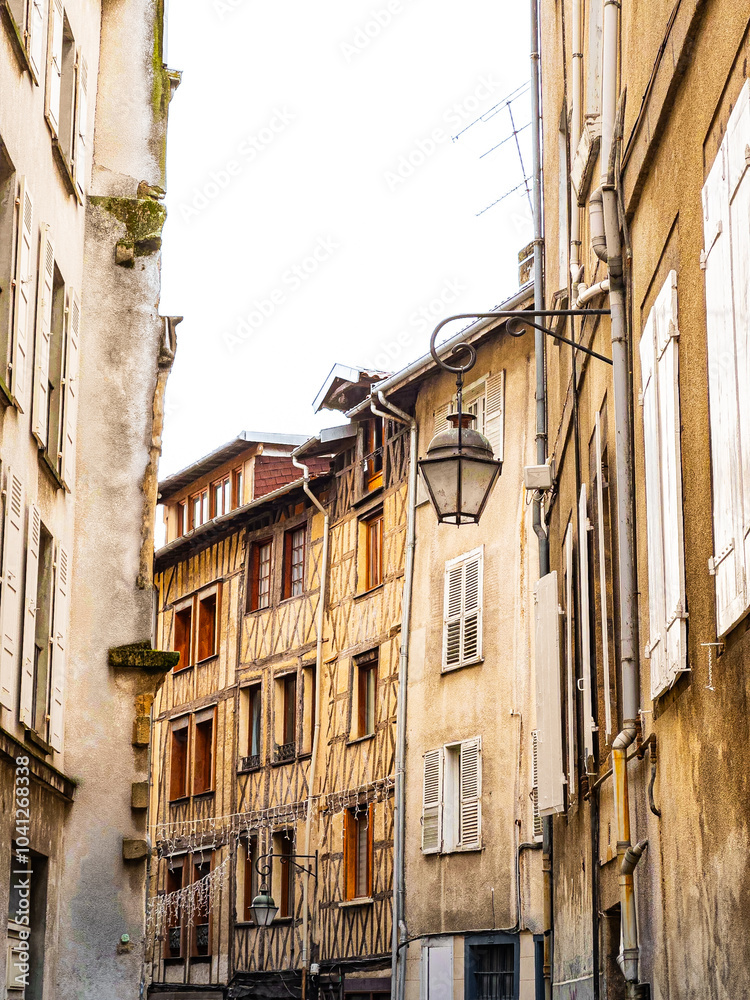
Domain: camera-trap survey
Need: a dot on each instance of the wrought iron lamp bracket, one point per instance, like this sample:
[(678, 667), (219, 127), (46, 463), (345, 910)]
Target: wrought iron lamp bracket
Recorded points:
[(263, 864)]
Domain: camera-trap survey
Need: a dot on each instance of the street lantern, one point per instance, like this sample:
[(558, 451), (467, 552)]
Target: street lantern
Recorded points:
[(459, 470), (263, 907)]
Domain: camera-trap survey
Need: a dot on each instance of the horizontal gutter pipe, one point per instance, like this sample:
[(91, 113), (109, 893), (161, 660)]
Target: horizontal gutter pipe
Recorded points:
[(585, 295)]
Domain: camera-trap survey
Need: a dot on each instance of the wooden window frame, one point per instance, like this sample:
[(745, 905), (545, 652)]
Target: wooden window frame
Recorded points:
[(238, 480), (181, 518), (181, 724), (374, 567), (352, 820), (253, 575), (199, 860), (199, 719), (373, 464), (183, 863), (201, 597), (225, 485), (289, 707), (250, 878), (288, 582), (204, 496), (253, 691), (366, 664)]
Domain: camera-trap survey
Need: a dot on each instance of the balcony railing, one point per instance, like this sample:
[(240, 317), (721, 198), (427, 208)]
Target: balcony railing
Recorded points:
[(201, 939), (250, 763), (285, 751), (175, 942)]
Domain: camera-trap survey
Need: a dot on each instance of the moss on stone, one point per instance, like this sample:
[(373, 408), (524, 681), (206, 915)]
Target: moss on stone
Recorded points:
[(141, 656)]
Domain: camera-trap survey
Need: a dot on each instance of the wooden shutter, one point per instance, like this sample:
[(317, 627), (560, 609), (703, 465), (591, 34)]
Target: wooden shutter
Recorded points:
[(570, 660), (22, 309), (10, 600), (350, 855), (432, 802), (470, 793), (70, 390), (602, 554), (494, 421), (30, 615), (59, 646), (583, 584), (35, 44), (462, 610), (550, 778), (42, 340), (82, 113), (726, 563), (54, 66)]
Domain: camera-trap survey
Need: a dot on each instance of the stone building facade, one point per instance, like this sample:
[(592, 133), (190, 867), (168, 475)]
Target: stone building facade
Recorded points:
[(647, 122), (84, 358)]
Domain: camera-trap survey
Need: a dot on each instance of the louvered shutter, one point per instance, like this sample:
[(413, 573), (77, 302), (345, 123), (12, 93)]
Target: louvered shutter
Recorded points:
[(30, 615), (462, 632), (570, 660), (583, 581), (535, 784), (550, 777), (726, 563), (602, 554), (738, 176), (42, 339), (36, 37), (494, 421), (59, 647), (470, 794), (54, 68), (670, 468), (10, 599), (70, 401), (432, 802), (22, 310), (82, 113)]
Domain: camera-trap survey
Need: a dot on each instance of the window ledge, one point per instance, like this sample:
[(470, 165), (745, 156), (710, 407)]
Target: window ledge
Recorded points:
[(178, 669), (360, 901), (462, 850), (205, 795), (48, 467), (360, 739), (16, 37), (368, 593), (181, 801), (30, 736), (248, 924), (208, 659), (5, 397), (294, 597), (461, 666), (362, 500), (65, 168), (250, 770)]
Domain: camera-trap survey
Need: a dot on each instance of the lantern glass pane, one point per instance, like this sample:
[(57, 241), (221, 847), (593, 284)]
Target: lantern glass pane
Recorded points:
[(476, 481), (441, 479)]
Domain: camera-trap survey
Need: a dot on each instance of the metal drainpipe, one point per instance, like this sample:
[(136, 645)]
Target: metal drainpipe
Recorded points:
[(398, 979), (624, 465), (575, 137), (306, 929), (541, 430)]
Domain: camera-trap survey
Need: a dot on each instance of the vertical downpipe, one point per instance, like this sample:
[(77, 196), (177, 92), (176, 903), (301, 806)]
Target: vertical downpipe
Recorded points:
[(541, 427)]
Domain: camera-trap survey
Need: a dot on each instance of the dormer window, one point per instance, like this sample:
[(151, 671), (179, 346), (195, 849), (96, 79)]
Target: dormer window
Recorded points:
[(373, 454)]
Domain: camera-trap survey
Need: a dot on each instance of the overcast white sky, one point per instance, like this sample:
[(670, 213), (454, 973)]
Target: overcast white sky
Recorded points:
[(317, 201)]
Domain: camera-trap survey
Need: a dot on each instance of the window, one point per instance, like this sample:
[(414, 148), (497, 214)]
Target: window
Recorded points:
[(238, 493), (726, 264), (253, 709), (462, 616), (247, 877), (309, 695), (485, 399), (207, 631), (283, 872), (174, 943), (221, 496), (373, 454), (28, 19), (8, 241), (667, 609), (570, 664), (287, 706), (491, 970), (259, 573), (200, 931), (198, 508), (181, 518), (366, 686), (358, 852), (183, 632), (178, 767), (294, 562), (37, 639), (66, 100), (547, 750), (23, 294), (452, 798), (27, 908), (373, 528), (203, 751)]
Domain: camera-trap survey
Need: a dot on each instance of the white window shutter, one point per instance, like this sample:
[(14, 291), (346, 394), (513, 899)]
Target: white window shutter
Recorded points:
[(535, 784), (10, 600), (727, 563), (42, 339), (30, 615), (583, 580), (71, 388), (570, 661), (22, 309), (82, 113), (440, 418), (550, 776), (462, 614), (602, 554), (432, 802), (494, 421), (436, 974), (670, 467), (36, 37), (59, 647), (470, 794), (54, 66)]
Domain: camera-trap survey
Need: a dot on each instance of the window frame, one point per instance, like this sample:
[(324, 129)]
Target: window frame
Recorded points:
[(374, 564), (451, 619), (252, 599), (201, 718), (180, 724), (373, 454), (448, 806), (288, 582), (193, 927), (367, 665), (352, 852)]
